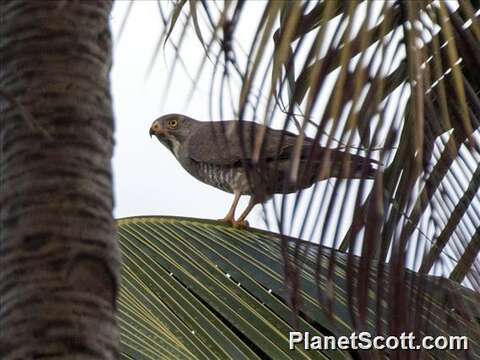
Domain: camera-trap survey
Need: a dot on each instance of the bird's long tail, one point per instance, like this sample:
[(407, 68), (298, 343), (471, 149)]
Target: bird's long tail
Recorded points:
[(345, 165)]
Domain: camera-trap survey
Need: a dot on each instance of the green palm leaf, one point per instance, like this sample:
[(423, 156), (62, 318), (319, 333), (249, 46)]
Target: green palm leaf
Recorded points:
[(194, 289), (397, 81)]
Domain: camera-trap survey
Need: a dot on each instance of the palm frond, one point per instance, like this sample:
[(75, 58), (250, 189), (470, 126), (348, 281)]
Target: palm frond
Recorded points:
[(394, 81), (195, 289)]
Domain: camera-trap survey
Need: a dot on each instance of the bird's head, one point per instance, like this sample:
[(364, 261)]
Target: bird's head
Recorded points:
[(171, 130)]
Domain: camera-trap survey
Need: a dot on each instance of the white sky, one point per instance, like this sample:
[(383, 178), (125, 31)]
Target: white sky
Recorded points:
[(147, 178)]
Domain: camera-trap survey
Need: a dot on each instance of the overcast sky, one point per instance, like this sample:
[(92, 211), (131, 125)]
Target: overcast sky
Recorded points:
[(148, 179)]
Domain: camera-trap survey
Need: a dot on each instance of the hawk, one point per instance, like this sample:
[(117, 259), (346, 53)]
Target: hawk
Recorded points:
[(246, 158)]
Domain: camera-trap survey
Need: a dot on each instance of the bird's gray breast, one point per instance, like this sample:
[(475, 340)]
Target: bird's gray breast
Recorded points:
[(226, 178)]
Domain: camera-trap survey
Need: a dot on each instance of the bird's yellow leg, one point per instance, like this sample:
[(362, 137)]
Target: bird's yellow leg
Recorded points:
[(229, 218), (241, 223)]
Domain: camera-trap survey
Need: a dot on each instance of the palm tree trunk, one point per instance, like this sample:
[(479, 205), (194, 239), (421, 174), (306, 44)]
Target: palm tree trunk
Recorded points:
[(58, 253)]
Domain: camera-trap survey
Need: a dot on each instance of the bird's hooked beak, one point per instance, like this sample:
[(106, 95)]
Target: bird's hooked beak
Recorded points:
[(156, 130)]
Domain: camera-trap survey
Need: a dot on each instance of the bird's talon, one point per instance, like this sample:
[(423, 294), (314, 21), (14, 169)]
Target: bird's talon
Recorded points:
[(240, 224), (226, 221)]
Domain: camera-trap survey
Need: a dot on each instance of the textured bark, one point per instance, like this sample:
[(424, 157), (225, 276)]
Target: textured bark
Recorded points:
[(58, 253)]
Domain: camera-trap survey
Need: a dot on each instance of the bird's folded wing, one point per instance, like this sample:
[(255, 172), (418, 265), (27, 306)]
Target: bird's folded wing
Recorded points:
[(231, 142)]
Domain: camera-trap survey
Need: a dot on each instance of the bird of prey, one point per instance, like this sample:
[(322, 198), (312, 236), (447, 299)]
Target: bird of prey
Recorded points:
[(246, 158)]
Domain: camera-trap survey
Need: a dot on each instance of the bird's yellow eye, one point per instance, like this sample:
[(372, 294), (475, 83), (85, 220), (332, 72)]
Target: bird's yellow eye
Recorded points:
[(172, 124)]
